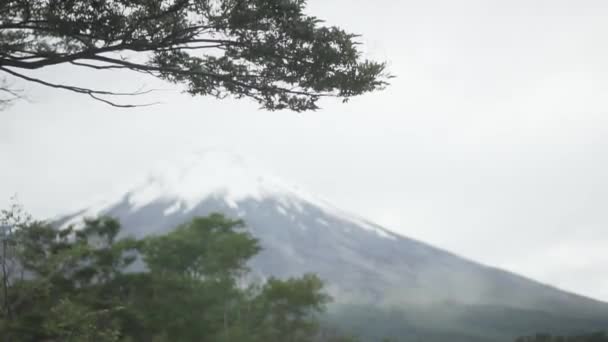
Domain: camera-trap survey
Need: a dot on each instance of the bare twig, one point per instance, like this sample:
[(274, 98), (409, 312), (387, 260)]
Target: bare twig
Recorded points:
[(8, 95), (91, 92)]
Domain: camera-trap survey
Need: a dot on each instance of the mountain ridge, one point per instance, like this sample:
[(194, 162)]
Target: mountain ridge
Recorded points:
[(361, 262)]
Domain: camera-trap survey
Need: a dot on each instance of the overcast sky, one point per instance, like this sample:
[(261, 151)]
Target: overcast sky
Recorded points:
[(491, 142)]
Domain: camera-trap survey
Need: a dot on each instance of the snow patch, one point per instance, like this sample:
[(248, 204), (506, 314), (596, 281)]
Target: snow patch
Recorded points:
[(77, 221), (298, 206), (174, 208), (231, 202), (322, 222), (281, 210), (354, 219)]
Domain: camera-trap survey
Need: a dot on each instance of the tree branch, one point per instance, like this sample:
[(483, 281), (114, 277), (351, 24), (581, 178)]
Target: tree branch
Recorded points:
[(13, 94), (91, 92), (277, 55), (98, 67), (225, 78)]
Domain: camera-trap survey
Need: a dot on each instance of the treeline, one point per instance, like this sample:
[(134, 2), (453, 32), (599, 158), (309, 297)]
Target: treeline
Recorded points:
[(190, 284), (91, 284), (595, 337)]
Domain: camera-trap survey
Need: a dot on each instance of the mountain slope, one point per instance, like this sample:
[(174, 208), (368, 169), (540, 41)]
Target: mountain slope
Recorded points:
[(361, 262)]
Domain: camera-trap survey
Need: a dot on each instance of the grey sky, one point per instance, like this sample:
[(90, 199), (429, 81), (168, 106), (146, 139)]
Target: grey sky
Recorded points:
[(492, 142)]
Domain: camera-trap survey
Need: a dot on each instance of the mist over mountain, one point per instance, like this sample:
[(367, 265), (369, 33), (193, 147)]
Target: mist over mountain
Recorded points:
[(409, 288)]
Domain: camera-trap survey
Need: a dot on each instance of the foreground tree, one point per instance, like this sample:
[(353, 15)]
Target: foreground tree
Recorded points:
[(289, 307), (11, 220), (594, 337), (266, 50), (88, 284), (65, 284)]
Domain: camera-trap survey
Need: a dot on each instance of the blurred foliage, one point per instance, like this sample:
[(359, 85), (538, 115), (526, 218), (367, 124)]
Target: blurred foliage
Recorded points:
[(83, 284)]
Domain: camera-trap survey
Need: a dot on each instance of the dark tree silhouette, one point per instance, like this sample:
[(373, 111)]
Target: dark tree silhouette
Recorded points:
[(266, 50)]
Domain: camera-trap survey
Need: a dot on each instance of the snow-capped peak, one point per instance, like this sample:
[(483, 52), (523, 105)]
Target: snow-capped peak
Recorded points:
[(216, 173), (207, 173)]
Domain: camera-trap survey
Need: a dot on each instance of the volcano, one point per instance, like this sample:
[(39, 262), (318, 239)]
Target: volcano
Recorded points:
[(369, 270)]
